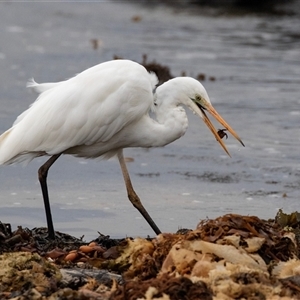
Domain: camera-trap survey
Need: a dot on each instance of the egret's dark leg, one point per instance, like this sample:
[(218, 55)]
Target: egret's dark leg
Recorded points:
[(43, 172), (133, 197)]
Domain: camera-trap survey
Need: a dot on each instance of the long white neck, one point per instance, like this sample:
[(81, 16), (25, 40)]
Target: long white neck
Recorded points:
[(170, 121)]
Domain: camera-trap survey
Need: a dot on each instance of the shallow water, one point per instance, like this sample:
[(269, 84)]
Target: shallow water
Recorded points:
[(255, 62)]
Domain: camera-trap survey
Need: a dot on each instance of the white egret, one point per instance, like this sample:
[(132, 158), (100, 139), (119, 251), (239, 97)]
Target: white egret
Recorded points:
[(99, 112)]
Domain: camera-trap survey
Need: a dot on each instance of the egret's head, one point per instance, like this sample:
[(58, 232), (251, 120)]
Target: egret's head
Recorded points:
[(190, 92), (200, 103)]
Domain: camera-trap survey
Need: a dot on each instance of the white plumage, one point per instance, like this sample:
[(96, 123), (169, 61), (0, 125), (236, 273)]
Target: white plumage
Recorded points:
[(84, 110), (102, 110)]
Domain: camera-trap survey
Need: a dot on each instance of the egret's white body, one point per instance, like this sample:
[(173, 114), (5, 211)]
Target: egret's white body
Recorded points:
[(102, 110), (95, 115)]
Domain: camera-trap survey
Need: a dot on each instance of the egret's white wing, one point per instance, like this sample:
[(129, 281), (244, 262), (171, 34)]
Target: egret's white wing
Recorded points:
[(86, 109)]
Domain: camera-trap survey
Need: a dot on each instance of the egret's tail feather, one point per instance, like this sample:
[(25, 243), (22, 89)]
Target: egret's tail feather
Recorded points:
[(40, 87)]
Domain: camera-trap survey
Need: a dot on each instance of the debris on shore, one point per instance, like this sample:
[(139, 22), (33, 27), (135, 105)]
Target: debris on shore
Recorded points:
[(230, 257)]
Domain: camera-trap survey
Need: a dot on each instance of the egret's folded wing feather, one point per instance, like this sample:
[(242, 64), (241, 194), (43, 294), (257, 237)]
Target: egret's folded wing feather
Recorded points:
[(86, 109)]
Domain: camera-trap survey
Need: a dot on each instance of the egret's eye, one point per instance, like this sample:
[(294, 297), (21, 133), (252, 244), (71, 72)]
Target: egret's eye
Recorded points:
[(200, 101), (198, 98)]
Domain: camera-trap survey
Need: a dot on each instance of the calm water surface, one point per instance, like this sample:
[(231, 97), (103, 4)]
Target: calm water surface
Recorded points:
[(255, 60)]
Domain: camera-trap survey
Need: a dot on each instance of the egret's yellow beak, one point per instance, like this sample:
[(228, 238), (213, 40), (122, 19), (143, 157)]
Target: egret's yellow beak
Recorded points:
[(215, 114)]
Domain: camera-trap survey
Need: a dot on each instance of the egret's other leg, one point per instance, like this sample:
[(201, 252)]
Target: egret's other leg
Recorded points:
[(133, 197), (43, 172)]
